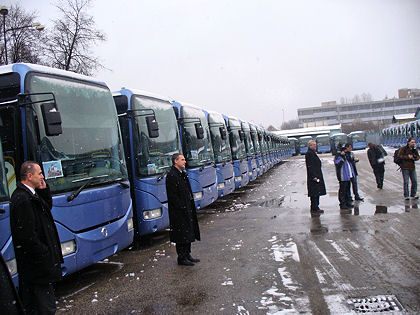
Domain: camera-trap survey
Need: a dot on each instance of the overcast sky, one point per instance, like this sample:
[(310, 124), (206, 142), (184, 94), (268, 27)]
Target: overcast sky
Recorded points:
[(256, 59)]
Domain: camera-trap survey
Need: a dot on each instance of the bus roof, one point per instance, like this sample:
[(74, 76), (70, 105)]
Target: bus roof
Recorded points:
[(128, 92), (24, 68)]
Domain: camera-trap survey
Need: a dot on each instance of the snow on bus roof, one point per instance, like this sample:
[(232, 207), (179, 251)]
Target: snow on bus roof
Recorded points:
[(143, 93), (27, 67)]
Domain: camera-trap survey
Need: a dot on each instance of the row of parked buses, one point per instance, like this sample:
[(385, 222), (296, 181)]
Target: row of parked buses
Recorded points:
[(105, 156), (397, 136), (326, 143)]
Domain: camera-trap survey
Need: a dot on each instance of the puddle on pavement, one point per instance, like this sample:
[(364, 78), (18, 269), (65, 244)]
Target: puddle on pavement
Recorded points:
[(276, 202), (366, 208), (317, 227)]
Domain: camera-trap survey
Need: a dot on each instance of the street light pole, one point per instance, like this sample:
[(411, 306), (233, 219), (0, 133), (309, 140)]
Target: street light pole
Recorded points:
[(4, 11)]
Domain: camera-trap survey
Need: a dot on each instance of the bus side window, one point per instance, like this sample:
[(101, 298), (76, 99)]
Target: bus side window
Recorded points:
[(8, 144), (10, 167)]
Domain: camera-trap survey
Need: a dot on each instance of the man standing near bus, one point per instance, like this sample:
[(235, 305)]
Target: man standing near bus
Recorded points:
[(315, 179), (409, 154), (35, 240), (183, 221)]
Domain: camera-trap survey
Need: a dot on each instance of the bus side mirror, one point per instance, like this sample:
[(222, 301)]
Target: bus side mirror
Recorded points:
[(52, 119), (199, 130), (241, 135), (152, 126), (223, 133)]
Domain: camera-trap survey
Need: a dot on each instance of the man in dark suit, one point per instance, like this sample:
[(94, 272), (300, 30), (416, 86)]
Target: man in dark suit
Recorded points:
[(183, 221), (315, 179), (35, 240)]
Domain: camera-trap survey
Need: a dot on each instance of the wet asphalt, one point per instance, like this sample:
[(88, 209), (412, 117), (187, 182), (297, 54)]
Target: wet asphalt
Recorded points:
[(262, 253)]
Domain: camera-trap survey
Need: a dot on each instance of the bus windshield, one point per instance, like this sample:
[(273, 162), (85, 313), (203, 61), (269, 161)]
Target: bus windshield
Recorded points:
[(90, 145), (303, 142), (340, 139), (255, 141), (198, 152), (358, 137), (237, 145), (323, 140), (153, 155), (249, 145), (221, 147)]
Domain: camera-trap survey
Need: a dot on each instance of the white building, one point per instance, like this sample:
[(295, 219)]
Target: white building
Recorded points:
[(376, 111)]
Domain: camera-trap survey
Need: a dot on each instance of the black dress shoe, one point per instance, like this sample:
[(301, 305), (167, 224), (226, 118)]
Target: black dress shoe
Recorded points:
[(360, 199), (194, 260), (185, 262)]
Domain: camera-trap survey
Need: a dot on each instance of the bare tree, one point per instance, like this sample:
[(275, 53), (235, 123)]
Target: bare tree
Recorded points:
[(291, 124), (356, 99), (23, 40), (366, 97), (69, 45)]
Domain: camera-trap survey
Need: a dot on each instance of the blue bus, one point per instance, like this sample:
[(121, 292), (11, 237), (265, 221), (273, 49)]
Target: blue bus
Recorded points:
[(336, 140), (222, 153), (250, 151), (303, 144), (68, 123), (264, 149), (237, 145), (150, 137), (294, 144), (257, 149), (323, 144), (358, 140), (198, 151)]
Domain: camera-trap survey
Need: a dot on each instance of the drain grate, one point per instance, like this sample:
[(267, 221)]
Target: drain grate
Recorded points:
[(375, 304)]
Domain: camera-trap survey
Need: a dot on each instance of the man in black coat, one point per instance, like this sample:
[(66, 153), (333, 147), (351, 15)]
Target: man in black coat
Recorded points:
[(315, 179), (183, 221), (377, 161), (35, 240), (10, 303)]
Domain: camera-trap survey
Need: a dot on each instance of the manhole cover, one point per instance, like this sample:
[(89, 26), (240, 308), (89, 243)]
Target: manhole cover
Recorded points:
[(375, 304)]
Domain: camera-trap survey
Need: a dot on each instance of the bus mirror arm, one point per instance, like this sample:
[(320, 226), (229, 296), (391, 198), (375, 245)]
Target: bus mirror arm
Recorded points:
[(162, 176), (124, 184)]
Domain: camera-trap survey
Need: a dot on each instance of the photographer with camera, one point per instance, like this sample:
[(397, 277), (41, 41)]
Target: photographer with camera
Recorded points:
[(409, 154), (345, 173)]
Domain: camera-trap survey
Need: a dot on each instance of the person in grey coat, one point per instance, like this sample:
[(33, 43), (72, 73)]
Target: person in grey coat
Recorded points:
[(183, 221)]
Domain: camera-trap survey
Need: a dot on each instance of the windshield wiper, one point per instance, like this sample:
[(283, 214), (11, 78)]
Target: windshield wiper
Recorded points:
[(122, 182), (79, 190), (161, 176)]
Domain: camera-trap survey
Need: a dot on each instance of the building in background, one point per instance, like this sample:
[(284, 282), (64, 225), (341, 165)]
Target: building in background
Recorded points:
[(380, 112)]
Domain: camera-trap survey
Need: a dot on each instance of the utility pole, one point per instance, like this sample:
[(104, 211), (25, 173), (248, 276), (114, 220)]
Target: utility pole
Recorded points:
[(283, 115)]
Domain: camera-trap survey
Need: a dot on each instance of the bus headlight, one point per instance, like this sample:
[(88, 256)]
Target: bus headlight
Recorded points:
[(68, 248), (12, 266), (238, 178), (130, 224), (198, 195), (152, 214), (220, 185)]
